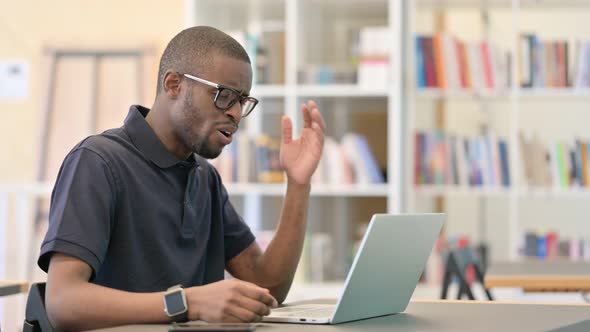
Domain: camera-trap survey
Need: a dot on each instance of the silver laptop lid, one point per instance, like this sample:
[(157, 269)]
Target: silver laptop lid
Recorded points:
[(388, 265)]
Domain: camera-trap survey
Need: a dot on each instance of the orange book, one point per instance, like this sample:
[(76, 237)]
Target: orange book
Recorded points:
[(584, 167), (463, 65), (561, 64), (439, 61), (549, 51)]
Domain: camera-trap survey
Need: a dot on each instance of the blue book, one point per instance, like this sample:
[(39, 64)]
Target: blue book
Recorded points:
[(476, 155), (530, 244), (503, 149), (541, 247), (468, 162), (369, 160), (538, 62), (488, 161), (420, 71)]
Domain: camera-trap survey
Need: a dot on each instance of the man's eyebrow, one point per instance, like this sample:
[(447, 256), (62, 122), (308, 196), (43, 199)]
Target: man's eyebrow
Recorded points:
[(232, 85)]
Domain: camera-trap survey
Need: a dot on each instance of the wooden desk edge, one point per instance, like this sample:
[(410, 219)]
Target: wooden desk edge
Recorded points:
[(23, 286), (502, 302), (540, 282)]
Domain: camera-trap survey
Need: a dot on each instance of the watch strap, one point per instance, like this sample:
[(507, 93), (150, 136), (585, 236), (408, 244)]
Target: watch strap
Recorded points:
[(181, 317)]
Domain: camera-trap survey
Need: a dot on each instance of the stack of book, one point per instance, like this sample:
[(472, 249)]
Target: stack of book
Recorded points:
[(445, 62), (249, 159), (550, 246), (553, 63), (351, 161), (444, 159), (560, 165)]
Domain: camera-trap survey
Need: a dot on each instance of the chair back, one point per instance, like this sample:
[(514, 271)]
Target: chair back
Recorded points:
[(36, 319)]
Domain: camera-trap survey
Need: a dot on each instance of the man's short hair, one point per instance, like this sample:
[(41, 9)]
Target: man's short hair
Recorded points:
[(192, 50)]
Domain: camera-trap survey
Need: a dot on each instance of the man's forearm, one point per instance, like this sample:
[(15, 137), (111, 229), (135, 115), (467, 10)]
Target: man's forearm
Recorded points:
[(84, 306), (278, 264)]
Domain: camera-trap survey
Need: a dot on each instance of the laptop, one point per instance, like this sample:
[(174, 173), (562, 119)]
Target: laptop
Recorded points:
[(383, 276)]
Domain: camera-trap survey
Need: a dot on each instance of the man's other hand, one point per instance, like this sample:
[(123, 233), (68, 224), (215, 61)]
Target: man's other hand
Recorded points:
[(229, 301)]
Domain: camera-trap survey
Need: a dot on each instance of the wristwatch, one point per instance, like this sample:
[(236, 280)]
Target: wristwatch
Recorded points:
[(175, 305)]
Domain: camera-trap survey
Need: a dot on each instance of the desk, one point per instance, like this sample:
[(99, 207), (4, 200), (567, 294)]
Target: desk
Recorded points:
[(13, 287), (535, 276), (438, 315)]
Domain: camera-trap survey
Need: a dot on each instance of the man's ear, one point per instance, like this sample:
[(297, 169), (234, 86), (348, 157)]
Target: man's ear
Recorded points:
[(171, 84)]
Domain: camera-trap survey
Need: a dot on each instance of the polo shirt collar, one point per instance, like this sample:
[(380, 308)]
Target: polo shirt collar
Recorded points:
[(146, 140)]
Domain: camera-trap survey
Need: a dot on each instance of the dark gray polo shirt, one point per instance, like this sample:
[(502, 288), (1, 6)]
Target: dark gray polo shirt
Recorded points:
[(142, 219)]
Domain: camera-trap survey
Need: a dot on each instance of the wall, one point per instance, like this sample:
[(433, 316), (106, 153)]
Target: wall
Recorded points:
[(28, 27)]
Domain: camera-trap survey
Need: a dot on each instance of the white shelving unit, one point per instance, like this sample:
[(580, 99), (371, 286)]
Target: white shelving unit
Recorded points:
[(315, 32), (308, 40), (520, 106)]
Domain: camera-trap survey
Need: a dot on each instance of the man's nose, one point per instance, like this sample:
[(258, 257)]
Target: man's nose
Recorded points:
[(235, 112)]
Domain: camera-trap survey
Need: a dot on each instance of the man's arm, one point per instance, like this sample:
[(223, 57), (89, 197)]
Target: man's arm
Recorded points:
[(73, 303), (276, 268)]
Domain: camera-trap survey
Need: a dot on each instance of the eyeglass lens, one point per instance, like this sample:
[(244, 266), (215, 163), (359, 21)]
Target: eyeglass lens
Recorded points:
[(226, 98)]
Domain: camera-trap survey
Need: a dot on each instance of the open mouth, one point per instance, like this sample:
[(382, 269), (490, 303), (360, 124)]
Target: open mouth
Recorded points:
[(225, 133)]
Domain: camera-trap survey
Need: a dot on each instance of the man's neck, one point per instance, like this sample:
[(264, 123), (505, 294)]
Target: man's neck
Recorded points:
[(158, 118)]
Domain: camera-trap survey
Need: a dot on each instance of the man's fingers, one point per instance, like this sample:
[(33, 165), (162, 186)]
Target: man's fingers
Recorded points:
[(270, 300), (316, 127), (317, 118), (241, 315), (253, 305), (305, 112), (315, 115), (287, 129), (259, 294)]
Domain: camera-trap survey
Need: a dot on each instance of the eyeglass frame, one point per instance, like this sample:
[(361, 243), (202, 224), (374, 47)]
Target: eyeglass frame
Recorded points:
[(220, 88)]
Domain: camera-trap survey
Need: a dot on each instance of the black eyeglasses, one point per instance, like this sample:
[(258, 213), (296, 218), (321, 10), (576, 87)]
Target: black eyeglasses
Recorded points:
[(227, 97)]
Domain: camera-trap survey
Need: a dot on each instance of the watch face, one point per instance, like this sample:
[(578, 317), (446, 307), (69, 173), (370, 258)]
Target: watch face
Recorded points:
[(174, 303)]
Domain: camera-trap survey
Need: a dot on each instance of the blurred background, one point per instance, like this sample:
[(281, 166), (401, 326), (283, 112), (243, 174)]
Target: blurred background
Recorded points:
[(475, 108)]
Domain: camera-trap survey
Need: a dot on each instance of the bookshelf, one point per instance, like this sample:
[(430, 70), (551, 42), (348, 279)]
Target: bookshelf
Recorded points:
[(315, 47), (552, 113), (318, 59)]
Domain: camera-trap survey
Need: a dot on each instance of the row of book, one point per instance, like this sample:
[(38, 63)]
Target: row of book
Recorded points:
[(249, 159), (348, 162), (445, 62), (548, 245), (553, 63), (555, 164), (446, 159)]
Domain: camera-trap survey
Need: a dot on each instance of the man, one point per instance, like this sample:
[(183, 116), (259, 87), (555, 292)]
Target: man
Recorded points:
[(137, 209)]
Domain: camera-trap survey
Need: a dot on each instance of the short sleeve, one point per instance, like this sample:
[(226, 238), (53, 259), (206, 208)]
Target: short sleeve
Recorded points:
[(82, 210), (237, 235)]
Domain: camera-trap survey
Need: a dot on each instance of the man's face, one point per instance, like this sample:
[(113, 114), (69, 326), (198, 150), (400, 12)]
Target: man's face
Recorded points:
[(199, 125)]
